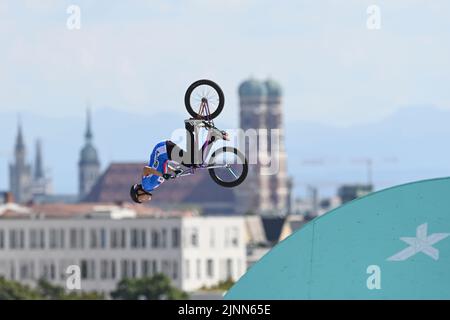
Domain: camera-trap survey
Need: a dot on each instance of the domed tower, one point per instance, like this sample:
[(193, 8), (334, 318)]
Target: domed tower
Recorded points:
[(279, 182), (89, 165), (254, 194)]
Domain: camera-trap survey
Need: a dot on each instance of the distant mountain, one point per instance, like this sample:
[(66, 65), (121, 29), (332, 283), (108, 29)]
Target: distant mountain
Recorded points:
[(408, 145)]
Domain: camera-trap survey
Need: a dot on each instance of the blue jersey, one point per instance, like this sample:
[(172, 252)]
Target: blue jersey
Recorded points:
[(158, 161)]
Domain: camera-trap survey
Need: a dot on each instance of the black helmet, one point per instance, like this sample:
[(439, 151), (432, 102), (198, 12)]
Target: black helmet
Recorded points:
[(137, 190)]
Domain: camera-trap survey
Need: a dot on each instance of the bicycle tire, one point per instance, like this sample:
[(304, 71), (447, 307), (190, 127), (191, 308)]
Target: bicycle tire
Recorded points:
[(189, 107), (243, 175)]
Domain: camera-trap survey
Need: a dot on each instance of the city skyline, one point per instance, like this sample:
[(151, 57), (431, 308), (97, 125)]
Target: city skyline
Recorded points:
[(408, 150)]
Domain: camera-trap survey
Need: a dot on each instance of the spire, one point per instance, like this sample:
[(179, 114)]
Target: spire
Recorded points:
[(19, 141), (38, 168), (88, 134)]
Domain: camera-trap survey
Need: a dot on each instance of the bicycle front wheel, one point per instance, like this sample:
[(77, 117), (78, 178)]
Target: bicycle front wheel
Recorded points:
[(230, 167), (204, 100)]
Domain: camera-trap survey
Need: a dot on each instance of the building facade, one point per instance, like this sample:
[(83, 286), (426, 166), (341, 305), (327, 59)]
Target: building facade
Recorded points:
[(108, 246), (267, 187)]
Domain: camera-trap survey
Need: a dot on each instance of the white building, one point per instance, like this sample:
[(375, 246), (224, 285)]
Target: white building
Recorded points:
[(110, 243)]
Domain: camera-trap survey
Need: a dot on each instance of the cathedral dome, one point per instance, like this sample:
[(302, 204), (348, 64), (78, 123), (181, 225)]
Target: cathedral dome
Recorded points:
[(273, 88), (252, 88)]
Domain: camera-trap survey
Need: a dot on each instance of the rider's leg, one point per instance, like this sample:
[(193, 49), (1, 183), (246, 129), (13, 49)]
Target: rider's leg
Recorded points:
[(177, 154)]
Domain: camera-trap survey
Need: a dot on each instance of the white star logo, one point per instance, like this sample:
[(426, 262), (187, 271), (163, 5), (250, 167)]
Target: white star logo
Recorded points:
[(421, 243)]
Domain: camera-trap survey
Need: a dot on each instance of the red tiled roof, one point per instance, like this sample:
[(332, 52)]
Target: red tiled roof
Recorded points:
[(73, 210), (114, 186)]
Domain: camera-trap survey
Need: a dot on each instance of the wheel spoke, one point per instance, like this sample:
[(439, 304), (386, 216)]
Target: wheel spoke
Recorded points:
[(232, 172)]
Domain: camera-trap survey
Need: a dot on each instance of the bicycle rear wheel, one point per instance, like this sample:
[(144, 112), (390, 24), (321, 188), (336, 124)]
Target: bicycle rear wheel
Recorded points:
[(232, 167), (204, 99)]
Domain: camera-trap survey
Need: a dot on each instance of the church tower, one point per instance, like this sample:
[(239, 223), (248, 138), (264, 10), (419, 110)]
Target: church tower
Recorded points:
[(42, 185), (266, 189), (20, 171), (89, 165), (279, 182), (253, 195)]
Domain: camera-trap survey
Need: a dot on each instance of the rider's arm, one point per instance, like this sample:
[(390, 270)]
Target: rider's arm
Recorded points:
[(149, 170)]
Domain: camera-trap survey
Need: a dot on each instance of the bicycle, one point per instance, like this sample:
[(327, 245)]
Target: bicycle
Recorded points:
[(227, 166)]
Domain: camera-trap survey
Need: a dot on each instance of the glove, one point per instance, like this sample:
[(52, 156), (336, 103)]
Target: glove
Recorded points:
[(167, 176)]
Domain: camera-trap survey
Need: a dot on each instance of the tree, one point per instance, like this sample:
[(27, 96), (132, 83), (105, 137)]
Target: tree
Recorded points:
[(157, 287), (12, 290), (224, 285), (53, 292)]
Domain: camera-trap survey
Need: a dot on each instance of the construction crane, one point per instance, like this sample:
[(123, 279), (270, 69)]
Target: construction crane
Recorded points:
[(367, 161)]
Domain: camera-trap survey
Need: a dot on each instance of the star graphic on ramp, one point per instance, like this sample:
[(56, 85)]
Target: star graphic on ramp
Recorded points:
[(421, 243)]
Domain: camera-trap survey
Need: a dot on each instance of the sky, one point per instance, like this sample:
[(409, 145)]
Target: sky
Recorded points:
[(140, 56)]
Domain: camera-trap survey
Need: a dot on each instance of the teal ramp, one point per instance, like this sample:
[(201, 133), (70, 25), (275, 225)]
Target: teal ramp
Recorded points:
[(391, 244)]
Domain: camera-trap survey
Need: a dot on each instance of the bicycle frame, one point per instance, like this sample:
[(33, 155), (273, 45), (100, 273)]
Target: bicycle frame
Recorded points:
[(207, 145)]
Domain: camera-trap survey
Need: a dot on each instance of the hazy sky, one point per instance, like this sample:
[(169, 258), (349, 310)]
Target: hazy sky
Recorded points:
[(139, 56)]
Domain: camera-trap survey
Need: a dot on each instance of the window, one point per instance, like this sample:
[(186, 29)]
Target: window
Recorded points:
[(231, 237), (143, 238), (145, 268), (175, 270), (62, 238), (103, 269), (87, 269), (107, 269), (123, 238), (93, 239), (164, 238), (209, 268), (229, 269), (81, 238), (134, 238), (47, 270), (56, 238), (165, 268), (118, 238), (52, 271), (133, 269), (26, 269), (84, 269), (128, 268), (114, 239), (103, 238), (16, 239), (175, 237), (36, 239), (194, 237), (42, 239), (137, 238), (33, 239), (234, 236), (113, 269), (73, 238), (155, 239)]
